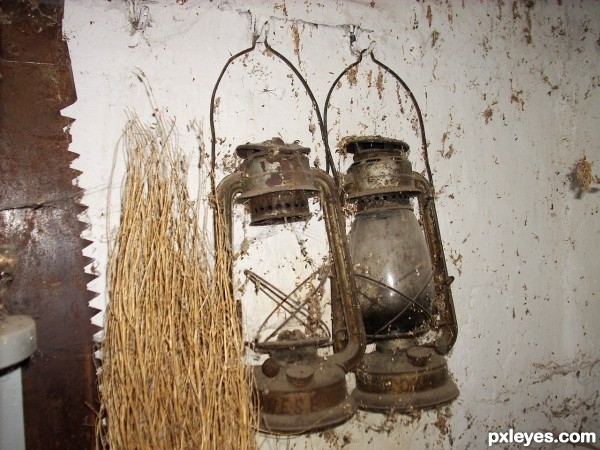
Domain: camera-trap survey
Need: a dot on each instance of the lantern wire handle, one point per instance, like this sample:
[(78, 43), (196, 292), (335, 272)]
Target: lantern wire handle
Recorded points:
[(413, 99), (329, 158), (213, 133), (255, 39), (424, 144), (344, 72)]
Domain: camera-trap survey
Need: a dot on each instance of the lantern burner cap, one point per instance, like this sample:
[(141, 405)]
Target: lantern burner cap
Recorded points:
[(277, 182), (272, 146), (361, 144), (380, 168), (279, 207)]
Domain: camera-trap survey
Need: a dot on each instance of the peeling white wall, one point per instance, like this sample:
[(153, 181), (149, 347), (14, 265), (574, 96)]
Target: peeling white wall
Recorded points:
[(511, 99)]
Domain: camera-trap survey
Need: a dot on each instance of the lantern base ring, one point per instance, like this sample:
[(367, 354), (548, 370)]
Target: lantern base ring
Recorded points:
[(305, 423), (303, 396), (408, 380)]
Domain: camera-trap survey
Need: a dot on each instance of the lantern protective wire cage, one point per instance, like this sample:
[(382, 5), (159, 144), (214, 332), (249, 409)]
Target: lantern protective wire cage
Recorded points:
[(401, 272), (296, 389)]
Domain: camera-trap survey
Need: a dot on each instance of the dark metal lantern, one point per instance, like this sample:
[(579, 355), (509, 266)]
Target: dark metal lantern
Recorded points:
[(298, 390), (402, 280)]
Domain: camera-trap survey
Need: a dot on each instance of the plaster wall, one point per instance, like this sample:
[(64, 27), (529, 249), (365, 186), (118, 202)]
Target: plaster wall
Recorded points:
[(511, 101)]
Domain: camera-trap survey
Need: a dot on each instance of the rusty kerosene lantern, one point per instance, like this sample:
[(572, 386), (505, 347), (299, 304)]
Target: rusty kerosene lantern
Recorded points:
[(402, 280), (298, 390)]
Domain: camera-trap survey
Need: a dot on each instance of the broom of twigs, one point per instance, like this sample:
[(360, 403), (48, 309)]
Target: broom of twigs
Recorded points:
[(172, 374)]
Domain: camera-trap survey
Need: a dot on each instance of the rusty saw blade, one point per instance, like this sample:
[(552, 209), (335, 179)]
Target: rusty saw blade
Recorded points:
[(39, 208)]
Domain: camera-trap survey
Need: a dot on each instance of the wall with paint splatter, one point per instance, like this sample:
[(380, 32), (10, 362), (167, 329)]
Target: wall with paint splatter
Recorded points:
[(510, 93)]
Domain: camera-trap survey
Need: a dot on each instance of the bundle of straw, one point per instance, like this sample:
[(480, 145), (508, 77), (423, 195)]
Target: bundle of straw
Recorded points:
[(172, 374)]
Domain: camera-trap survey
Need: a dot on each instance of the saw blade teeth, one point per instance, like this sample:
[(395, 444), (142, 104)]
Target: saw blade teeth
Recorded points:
[(66, 122), (89, 277), (72, 155), (98, 321), (87, 243), (90, 297), (80, 209), (95, 303)]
